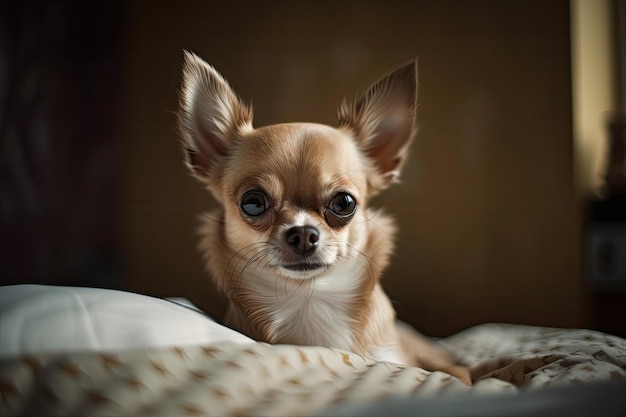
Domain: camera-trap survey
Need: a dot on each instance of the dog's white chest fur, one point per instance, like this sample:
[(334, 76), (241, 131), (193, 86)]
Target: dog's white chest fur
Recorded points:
[(312, 311)]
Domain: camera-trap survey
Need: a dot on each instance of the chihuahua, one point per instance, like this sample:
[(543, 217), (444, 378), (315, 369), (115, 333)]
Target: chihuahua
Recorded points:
[(295, 247)]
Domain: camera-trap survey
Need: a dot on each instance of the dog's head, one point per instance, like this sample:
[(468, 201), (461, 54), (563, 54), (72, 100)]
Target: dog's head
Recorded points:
[(294, 195)]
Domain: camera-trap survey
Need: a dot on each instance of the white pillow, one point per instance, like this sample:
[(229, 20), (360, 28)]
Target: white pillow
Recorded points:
[(40, 318)]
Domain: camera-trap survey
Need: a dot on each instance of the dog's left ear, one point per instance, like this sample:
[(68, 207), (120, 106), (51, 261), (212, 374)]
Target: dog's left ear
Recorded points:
[(383, 120)]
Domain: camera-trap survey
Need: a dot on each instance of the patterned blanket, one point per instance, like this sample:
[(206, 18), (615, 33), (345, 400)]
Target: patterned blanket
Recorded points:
[(227, 378)]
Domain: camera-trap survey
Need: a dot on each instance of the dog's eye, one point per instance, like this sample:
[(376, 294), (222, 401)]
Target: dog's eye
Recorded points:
[(343, 205), (254, 203)]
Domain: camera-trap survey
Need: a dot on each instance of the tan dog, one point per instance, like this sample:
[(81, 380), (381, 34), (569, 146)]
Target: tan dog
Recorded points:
[(295, 247)]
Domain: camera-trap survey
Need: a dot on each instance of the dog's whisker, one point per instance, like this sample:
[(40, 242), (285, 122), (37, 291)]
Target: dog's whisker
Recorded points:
[(236, 259), (262, 254), (207, 216), (371, 262)]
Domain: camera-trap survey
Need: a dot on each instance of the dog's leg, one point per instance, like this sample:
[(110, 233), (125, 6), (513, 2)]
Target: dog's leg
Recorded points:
[(426, 354)]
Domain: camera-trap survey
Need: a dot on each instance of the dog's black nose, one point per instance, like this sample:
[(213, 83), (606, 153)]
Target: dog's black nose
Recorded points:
[(302, 240)]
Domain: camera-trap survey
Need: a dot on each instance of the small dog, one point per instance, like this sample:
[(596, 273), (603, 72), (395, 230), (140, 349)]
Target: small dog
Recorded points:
[(295, 247)]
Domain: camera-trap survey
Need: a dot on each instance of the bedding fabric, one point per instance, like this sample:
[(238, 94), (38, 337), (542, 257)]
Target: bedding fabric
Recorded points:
[(40, 318), (512, 366)]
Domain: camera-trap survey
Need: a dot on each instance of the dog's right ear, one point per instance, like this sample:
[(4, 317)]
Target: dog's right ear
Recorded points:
[(209, 116)]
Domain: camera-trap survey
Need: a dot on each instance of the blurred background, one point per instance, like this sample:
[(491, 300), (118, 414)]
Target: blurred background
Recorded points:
[(502, 202)]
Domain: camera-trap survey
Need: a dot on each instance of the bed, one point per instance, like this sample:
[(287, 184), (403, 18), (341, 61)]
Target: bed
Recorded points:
[(87, 351)]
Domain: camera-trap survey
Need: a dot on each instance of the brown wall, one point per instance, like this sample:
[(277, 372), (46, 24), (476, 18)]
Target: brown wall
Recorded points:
[(489, 228)]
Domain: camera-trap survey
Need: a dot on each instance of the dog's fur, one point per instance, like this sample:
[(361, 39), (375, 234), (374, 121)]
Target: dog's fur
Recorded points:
[(295, 247)]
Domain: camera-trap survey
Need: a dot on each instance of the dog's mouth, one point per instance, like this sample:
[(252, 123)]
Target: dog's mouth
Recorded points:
[(306, 266)]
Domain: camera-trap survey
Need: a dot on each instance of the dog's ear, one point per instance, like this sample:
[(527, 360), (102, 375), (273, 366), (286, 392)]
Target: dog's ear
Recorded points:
[(209, 116), (383, 120)]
